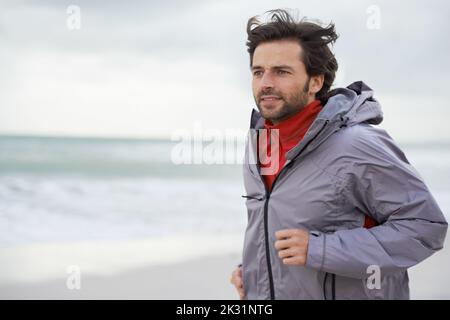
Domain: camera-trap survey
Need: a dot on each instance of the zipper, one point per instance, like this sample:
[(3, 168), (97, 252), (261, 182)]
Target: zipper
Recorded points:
[(333, 286), (266, 237), (325, 286), (266, 206)]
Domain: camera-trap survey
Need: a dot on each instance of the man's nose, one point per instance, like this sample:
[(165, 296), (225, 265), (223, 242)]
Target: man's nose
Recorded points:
[(267, 81)]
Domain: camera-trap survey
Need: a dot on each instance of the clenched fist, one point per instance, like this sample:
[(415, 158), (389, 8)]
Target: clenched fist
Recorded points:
[(236, 280), (292, 246)]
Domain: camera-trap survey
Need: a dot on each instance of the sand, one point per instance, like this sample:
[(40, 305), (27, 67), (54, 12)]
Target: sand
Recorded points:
[(202, 278)]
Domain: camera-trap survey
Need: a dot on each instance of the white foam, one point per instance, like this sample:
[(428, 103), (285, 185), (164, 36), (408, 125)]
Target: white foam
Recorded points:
[(77, 209)]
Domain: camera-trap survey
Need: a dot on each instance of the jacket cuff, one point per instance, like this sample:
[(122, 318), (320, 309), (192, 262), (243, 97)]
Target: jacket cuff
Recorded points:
[(316, 250)]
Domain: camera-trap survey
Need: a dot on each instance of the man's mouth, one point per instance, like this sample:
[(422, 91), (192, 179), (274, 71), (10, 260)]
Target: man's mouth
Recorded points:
[(270, 98)]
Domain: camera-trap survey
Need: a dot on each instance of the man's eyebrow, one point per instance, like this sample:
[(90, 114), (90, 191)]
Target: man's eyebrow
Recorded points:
[(283, 66)]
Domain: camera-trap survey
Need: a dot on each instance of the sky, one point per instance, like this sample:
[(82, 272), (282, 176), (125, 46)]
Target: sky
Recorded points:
[(145, 69)]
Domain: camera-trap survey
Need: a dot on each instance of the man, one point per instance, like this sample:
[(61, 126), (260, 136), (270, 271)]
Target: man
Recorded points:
[(342, 214)]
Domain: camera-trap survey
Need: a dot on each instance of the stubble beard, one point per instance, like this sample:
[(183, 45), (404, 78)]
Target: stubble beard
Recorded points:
[(290, 105)]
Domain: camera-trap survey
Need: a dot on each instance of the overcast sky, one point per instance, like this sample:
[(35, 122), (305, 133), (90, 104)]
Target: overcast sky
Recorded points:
[(149, 68)]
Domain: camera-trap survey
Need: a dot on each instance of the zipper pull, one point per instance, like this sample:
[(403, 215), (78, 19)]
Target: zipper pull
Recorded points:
[(252, 197)]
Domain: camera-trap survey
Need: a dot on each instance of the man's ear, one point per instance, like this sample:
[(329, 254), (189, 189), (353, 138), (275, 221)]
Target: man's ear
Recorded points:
[(316, 83)]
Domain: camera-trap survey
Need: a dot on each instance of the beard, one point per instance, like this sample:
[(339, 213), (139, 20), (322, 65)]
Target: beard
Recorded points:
[(288, 104)]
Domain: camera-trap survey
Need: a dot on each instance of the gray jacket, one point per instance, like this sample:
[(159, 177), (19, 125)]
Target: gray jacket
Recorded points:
[(343, 169)]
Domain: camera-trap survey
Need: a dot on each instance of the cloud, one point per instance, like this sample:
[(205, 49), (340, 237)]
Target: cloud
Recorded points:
[(126, 59)]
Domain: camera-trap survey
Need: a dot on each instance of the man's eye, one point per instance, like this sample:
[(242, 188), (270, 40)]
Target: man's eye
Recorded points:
[(282, 72), (257, 73)]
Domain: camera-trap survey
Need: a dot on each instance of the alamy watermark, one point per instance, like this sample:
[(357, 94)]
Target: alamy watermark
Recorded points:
[(212, 146), (73, 21), (374, 280), (374, 19), (73, 281)]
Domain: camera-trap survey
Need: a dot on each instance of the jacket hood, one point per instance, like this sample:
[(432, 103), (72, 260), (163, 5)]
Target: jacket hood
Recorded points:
[(356, 102)]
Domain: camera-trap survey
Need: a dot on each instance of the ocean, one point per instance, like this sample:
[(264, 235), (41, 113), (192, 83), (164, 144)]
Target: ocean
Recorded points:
[(64, 189)]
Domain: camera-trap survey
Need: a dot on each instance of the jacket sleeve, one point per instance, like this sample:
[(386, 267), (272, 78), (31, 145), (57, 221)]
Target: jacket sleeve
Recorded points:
[(381, 183)]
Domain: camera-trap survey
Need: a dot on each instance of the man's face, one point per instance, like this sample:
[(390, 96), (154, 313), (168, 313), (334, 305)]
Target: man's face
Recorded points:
[(280, 82)]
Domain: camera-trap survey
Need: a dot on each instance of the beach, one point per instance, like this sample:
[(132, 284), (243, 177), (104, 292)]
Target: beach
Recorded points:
[(203, 278)]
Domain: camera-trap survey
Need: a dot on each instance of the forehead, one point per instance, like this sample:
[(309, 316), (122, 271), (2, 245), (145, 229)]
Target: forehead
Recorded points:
[(277, 53)]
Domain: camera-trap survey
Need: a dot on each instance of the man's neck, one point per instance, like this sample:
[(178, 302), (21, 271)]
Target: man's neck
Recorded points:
[(277, 121)]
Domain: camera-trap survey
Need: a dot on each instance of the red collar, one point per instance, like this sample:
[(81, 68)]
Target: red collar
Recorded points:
[(292, 130)]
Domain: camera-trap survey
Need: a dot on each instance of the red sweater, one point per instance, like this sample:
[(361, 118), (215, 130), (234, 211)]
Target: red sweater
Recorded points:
[(291, 132)]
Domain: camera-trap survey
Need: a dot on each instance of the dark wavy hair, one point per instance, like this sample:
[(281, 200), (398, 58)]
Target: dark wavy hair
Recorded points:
[(312, 37)]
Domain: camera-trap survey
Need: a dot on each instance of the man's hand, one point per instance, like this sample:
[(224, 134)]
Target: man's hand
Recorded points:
[(236, 280), (292, 246)]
